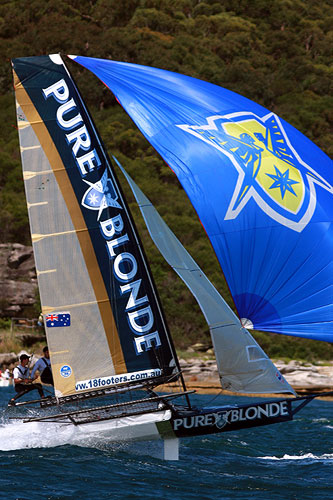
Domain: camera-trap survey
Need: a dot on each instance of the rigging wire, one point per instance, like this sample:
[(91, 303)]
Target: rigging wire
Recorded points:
[(213, 399)]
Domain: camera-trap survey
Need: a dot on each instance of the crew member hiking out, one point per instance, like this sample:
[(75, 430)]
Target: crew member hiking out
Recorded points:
[(43, 365), (22, 380)]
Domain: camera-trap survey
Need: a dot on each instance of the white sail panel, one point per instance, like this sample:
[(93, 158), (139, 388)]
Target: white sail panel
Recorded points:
[(243, 366), (63, 279)]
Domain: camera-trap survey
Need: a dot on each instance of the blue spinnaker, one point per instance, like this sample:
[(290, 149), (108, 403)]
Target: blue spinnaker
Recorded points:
[(262, 190)]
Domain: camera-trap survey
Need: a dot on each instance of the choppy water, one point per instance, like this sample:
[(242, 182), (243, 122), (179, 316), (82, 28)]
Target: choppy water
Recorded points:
[(290, 461)]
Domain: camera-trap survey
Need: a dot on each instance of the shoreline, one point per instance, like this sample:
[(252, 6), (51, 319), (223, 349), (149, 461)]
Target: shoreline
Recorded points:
[(213, 387), (201, 375), (305, 378)]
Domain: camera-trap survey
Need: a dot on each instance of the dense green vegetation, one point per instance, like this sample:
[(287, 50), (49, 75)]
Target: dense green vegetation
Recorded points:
[(276, 52)]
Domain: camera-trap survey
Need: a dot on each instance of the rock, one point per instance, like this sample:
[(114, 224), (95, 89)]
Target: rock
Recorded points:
[(12, 311), (19, 253), (200, 347), (293, 366), (305, 376), (7, 358), (18, 281), (211, 362)]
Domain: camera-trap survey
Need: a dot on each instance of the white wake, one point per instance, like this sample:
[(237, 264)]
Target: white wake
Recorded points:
[(306, 456), (18, 435)]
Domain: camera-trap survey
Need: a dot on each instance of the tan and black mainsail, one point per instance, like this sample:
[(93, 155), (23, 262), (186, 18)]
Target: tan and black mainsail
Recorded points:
[(103, 320)]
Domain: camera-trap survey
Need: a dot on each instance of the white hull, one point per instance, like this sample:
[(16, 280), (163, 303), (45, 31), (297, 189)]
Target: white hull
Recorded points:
[(133, 429), (129, 428)]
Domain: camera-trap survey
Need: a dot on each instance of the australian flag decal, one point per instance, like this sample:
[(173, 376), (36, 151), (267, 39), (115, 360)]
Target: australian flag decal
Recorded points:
[(58, 319)]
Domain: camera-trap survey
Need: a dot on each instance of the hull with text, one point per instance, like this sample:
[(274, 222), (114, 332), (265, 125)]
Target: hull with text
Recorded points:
[(230, 418)]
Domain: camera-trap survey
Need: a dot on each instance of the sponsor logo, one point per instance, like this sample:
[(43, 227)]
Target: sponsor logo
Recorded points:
[(270, 170), (221, 419), (99, 196), (65, 371), (116, 379)]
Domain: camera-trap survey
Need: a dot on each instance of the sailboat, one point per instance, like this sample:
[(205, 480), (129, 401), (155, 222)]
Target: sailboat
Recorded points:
[(105, 327)]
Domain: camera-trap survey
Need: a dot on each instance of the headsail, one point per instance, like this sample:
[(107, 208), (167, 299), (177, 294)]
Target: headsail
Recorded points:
[(242, 365), (262, 190), (103, 320)]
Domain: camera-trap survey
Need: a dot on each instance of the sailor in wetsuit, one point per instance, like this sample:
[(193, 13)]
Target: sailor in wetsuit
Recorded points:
[(22, 381), (43, 365)]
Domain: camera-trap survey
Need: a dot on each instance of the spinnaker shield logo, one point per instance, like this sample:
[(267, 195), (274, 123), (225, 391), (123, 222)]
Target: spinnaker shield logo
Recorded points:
[(100, 195), (270, 170)]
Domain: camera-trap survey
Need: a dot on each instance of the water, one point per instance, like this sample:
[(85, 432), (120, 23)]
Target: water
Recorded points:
[(290, 461)]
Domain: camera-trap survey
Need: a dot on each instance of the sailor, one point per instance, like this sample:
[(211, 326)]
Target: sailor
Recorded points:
[(40, 320), (43, 365), (22, 381)]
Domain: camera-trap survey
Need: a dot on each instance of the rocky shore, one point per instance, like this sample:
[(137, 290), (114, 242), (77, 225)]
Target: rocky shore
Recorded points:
[(202, 375), (18, 288)]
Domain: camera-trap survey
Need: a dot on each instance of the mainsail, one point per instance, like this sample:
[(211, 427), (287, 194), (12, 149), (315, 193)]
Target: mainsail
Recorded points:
[(242, 365), (262, 190), (103, 320)]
